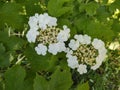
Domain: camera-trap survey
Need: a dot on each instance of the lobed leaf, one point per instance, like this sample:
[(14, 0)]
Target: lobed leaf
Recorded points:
[(9, 13), (14, 78), (57, 7)]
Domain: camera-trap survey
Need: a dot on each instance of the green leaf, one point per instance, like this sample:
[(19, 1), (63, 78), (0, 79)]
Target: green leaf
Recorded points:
[(2, 48), (32, 7), (102, 13), (1, 85), (82, 7), (4, 60), (63, 21), (9, 14), (53, 61), (38, 62), (40, 83), (4, 57), (81, 23), (29, 80), (114, 6), (84, 86), (59, 7), (100, 30), (116, 26), (60, 80), (14, 78), (91, 8), (12, 42)]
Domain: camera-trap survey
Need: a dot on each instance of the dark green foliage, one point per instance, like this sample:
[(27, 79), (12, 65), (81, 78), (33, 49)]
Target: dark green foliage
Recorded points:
[(9, 13), (14, 78), (60, 80)]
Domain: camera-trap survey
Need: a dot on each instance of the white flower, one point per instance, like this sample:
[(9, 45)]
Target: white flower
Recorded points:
[(53, 48), (69, 52), (98, 44), (87, 52), (87, 39), (45, 20), (56, 47), (73, 44), (52, 21), (41, 49), (79, 38), (102, 51), (61, 46), (64, 34), (32, 35), (72, 62), (83, 39), (96, 66), (82, 69), (33, 21)]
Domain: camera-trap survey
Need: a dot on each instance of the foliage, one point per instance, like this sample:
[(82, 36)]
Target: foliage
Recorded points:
[(22, 69)]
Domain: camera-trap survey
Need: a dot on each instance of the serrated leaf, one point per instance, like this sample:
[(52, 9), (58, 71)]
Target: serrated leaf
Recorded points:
[(29, 80), (100, 30), (14, 78), (32, 7), (1, 85), (4, 57), (12, 42), (84, 86), (115, 5), (64, 22), (82, 7), (60, 80), (81, 23), (4, 60), (38, 62), (80, 1), (40, 83), (102, 13), (91, 8), (116, 26), (57, 8), (9, 14), (2, 48)]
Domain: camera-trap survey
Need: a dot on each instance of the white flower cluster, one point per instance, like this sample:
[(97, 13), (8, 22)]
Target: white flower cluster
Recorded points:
[(43, 31), (83, 52)]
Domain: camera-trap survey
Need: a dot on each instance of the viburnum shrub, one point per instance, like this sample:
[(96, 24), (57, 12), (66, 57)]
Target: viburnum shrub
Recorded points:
[(59, 44)]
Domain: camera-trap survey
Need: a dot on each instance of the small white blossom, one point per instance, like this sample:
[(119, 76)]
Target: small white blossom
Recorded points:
[(82, 69), (61, 46), (64, 34), (69, 52), (33, 22), (98, 43), (96, 66), (72, 62), (32, 35), (83, 39), (102, 51), (73, 44), (53, 48), (56, 47), (45, 20), (41, 49), (87, 39), (79, 38)]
